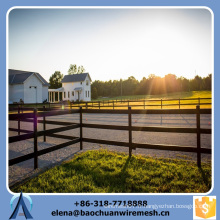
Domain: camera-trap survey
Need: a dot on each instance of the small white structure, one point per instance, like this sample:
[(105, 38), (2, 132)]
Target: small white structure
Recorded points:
[(30, 87), (76, 87)]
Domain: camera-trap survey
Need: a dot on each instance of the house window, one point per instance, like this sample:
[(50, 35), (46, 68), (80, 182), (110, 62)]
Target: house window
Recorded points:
[(64, 95), (81, 83), (72, 93), (88, 93), (87, 82), (68, 94)]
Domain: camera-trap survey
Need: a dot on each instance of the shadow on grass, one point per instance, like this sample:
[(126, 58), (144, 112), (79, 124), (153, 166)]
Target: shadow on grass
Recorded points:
[(120, 177), (123, 179), (205, 177), (113, 181)]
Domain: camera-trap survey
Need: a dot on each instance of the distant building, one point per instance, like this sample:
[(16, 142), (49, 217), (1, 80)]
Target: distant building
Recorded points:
[(76, 87), (29, 87)]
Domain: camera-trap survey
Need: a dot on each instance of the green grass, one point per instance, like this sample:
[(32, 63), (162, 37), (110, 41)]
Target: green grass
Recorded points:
[(176, 95), (102, 171), (154, 101)]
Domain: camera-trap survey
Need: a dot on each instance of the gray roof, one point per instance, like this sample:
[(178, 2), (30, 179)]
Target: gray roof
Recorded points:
[(75, 77), (19, 76)]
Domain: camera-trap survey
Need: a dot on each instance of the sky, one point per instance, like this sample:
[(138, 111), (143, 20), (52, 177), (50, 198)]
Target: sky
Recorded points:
[(112, 43)]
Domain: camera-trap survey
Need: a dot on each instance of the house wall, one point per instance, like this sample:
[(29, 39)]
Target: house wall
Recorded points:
[(44, 93), (32, 95), (69, 87), (87, 88), (16, 92)]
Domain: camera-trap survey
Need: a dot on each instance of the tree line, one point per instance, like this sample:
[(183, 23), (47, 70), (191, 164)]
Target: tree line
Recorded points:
[(153, 85)]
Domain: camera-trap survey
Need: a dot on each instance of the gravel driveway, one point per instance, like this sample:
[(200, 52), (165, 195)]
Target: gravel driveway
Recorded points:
[(22, 170)]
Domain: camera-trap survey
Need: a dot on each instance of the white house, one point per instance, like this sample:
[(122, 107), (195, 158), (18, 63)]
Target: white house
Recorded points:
[(30, 87), (76, 87)]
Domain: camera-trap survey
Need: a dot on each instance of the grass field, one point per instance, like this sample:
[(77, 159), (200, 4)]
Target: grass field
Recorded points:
[(176, 95), (154, 101), (102, 171)]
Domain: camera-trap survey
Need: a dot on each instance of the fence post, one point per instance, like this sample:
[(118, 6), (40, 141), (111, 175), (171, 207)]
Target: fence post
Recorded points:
[(35, 140), (86, 105), (199, 101), (44, 119), (103, 103), (113, 104), (179, 103), (21, 109), (144, 104), (19, 121), (99, 104), (129, 130), (161, 104), (198, 136), (81, 131)]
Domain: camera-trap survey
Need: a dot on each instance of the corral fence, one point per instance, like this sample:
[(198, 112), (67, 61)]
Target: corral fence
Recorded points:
[(145, 103), (116, 104), (34, 118)]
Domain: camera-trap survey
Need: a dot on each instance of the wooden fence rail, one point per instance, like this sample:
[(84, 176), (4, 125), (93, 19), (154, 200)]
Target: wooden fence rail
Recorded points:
[(112, 104), (33, 118)]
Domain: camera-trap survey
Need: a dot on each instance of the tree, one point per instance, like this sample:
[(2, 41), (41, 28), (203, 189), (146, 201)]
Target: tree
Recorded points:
[(196, 84), (183, 84), (73, 69), (94, 93), (55, 80), (81, 69), (208, 82), (130, 85), (171, 83)]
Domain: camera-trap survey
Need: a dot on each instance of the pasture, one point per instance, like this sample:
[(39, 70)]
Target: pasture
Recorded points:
[(183, 100), (176, 95)]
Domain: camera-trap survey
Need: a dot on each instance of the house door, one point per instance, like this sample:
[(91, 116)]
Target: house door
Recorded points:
[(33, 94)]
